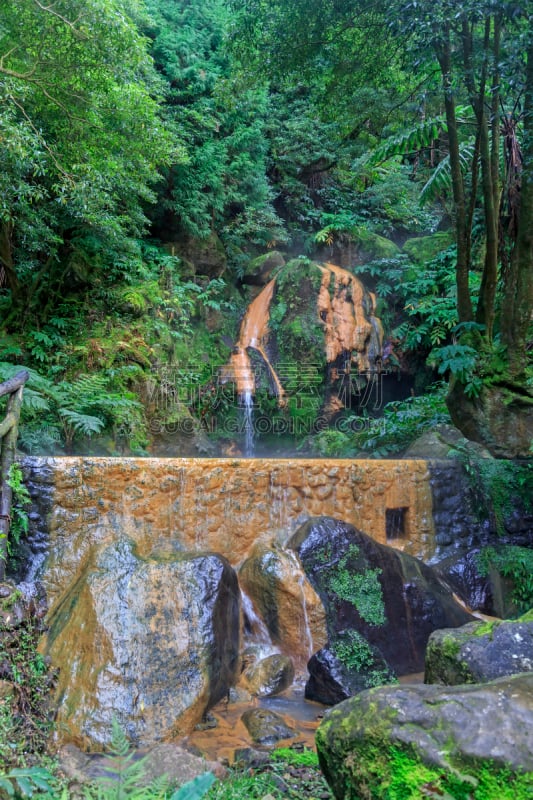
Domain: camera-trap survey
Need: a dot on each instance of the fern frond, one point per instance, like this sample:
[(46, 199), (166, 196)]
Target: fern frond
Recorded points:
[(441, 179), (82, 423), (410, 141), (22, 782), (34, 401)]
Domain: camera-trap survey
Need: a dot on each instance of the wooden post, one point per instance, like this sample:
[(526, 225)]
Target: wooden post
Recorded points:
[(8, 436)]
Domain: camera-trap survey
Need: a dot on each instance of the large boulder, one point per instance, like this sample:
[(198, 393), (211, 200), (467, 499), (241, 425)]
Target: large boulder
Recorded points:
[(151, 642), (406, 740), (462, 572), (480, 651), (499, 418), (291, 609), (392, 599)]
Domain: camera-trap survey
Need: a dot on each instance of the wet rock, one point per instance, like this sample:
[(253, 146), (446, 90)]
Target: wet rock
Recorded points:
[(209, 722), (451, 728), (152, 643), (484, 578), (393, 600), (331, 681), (479, 652), (454, 521), (461, 571), (444, 441), (260, 270), (269, 676), (248, 757), (177, 764), (266, 727), (7, 690), (238, 694), (13, 608), (286, 601)]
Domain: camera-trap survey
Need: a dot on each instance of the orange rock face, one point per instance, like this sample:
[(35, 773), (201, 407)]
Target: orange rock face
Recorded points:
[(226, 506), (346, 320), (345, 310)]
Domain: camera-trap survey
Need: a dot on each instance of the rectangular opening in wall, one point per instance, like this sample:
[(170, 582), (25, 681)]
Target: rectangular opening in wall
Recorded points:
[(395, 519)]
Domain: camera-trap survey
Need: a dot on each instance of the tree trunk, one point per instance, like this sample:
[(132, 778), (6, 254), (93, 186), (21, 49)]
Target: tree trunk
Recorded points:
[(7, 267), (463, 234), (489, 157), (518, 301), (8, 439)]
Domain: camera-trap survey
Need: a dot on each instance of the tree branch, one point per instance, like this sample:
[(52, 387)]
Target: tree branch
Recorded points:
[(41, 139), (70, 23)]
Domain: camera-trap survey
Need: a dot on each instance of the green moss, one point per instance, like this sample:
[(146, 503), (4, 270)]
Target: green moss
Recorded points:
[(9, 601), (442, 661), (450, 647), (355, 653), (372, 769), (486, 628), (497, 486), (360, 588), (373, 245), (297, 758), (425, 248)]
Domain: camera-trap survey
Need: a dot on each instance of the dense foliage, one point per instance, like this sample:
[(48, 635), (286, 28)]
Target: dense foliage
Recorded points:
[(151, 149)]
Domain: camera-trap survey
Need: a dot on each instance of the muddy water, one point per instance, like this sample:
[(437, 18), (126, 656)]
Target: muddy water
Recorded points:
[(228, 734), (221, 742)]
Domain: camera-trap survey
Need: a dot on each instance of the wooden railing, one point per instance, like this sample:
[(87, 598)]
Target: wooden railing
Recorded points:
[(8, 442)]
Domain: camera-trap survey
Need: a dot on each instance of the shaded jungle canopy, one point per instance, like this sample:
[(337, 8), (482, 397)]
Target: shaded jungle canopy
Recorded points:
[(150, 151)]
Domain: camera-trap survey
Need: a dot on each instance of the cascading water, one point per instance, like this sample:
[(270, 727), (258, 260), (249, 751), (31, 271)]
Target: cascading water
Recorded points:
[(299, 574), (247, 403), (255, 631)]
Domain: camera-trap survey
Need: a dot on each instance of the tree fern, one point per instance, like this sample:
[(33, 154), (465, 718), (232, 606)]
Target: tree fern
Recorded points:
[(440, 180), (410, 141)]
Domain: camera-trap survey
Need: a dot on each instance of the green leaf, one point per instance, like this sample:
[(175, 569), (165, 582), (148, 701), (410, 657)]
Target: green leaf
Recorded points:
[(196, 788)]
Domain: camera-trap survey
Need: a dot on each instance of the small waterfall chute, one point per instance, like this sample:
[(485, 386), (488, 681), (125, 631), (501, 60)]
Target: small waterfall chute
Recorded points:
[(247, 403)]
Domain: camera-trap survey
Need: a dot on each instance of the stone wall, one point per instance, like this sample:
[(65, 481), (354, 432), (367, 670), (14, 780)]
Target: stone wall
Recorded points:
[(226, 505)]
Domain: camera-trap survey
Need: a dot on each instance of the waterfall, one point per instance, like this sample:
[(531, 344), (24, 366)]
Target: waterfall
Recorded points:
[(253, 335), (299, 574), (247, 402), (256, 632)]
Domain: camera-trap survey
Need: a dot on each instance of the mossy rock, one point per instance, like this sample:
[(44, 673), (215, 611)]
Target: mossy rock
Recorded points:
[(480, 652), (265, 265), (425, 248), (205, 256), (394, 601), (372, 246), (400, 742)]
